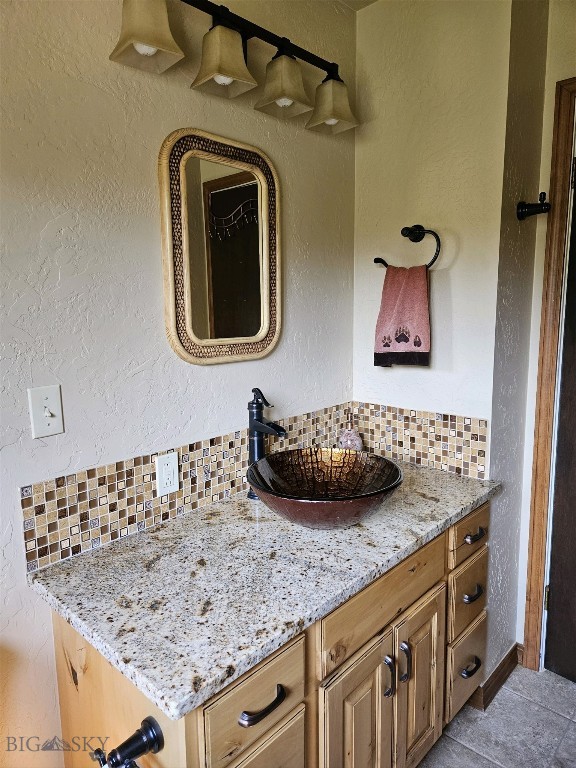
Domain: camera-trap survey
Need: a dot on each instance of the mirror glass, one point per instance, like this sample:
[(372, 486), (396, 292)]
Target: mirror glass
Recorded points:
[(224, 247)]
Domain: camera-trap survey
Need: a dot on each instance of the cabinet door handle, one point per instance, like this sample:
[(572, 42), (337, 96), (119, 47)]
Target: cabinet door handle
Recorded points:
[(470, 671), (472, 538), (389, 661), (472, 598), (405, 648), (248, 719)]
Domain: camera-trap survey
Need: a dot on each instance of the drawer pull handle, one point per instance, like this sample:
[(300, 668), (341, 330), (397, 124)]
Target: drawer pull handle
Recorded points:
[(468, 671), (405, 648), (472, 538), (468, 599), (389, 661), (248, 719)]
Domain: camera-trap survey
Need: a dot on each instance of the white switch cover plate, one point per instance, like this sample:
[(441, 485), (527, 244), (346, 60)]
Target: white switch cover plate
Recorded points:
[(45, 404), (167, 480)]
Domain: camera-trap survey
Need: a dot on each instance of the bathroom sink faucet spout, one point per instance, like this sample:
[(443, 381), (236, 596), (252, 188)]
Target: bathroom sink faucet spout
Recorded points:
[(258, 426)]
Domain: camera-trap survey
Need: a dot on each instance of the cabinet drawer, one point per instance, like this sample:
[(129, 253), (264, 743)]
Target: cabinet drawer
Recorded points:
[(225, 738), (283, 747), (467, 587), (351, 625), (468, 536), (467, 654)]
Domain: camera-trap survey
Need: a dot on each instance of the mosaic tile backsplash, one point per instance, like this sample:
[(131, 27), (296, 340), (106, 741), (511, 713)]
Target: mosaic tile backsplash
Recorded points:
[(74, 513)]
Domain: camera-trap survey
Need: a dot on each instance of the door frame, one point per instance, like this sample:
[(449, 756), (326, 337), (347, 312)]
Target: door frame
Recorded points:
[(554, 265)]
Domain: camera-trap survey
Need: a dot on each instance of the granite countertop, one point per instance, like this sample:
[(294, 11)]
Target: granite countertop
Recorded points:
[(184, 609)]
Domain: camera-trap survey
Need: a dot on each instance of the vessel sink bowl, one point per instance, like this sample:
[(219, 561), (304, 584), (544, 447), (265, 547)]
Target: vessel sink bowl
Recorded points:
[(323, 487)]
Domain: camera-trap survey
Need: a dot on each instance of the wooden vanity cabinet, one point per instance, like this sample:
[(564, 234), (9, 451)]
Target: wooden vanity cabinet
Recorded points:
[(370, 684)]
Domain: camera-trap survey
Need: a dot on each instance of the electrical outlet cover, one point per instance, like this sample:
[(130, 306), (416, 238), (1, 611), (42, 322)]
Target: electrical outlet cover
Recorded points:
[(167, 480)]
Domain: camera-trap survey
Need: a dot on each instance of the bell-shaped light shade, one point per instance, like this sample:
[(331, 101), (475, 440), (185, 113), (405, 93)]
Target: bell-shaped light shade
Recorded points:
[(223, 71), (145, 38), (284, 93), (332, 113)]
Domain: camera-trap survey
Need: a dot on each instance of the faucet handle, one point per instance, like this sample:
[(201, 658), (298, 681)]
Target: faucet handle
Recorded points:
[(259, 398)]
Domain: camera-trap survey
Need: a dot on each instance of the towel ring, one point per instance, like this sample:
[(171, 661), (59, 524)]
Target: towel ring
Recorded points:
[(416, 234)]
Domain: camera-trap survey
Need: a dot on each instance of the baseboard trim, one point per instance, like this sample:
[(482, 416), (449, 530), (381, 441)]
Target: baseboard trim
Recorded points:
[(484, 694), (520, 649)]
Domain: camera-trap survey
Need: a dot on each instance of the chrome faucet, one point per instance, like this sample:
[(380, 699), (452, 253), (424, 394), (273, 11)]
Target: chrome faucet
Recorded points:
[(258, 426)]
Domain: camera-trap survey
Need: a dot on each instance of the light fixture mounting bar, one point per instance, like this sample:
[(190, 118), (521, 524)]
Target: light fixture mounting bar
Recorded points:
[(248, 30)]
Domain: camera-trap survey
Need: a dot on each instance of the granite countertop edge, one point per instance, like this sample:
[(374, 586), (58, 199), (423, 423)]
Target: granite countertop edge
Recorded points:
[(177, 706)]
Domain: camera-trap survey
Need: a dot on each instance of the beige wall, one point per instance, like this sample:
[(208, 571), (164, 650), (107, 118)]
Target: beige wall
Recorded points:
[(82, 278), (560, 65), (527, 70), (432, 86)]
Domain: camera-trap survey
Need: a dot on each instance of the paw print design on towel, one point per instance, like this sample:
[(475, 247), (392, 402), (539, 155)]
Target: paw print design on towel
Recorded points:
[(386, 341), (402, 334), (417, 341)]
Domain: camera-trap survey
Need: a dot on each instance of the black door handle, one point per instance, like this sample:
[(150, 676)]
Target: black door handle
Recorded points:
[(248, 719), (470, 671), (468, 599), (472, 538), (389, 661), (405, 648)]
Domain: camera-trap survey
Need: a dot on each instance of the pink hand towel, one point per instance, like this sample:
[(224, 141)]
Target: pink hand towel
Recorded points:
[(403, 326)]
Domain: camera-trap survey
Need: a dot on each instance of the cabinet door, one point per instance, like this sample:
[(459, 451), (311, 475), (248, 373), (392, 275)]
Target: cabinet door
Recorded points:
[(356, 710), (419, 636)]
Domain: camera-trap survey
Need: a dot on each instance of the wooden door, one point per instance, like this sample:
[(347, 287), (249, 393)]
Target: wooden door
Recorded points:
[(561, 620), (356, 709), (419, 637)]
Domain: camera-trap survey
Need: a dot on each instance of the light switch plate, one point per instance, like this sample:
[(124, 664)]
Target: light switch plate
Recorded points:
[(46, 417), (167, 480)]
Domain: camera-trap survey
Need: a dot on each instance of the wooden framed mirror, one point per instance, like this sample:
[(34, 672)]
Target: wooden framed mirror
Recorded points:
[(220, 245)]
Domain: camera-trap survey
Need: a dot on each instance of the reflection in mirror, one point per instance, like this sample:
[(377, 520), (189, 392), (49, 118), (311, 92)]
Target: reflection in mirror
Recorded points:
[(224, 245)]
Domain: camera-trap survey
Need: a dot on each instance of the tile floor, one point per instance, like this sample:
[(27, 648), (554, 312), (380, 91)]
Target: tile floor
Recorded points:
[(530, 724)]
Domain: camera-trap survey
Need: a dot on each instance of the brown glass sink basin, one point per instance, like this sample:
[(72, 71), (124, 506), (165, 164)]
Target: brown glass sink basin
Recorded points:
[(323, 487)]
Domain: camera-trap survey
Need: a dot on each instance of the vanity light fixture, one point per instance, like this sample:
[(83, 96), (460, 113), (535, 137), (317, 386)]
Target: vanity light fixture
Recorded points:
[(332, 113), (146, 41), (284, 92), (223, 70)]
